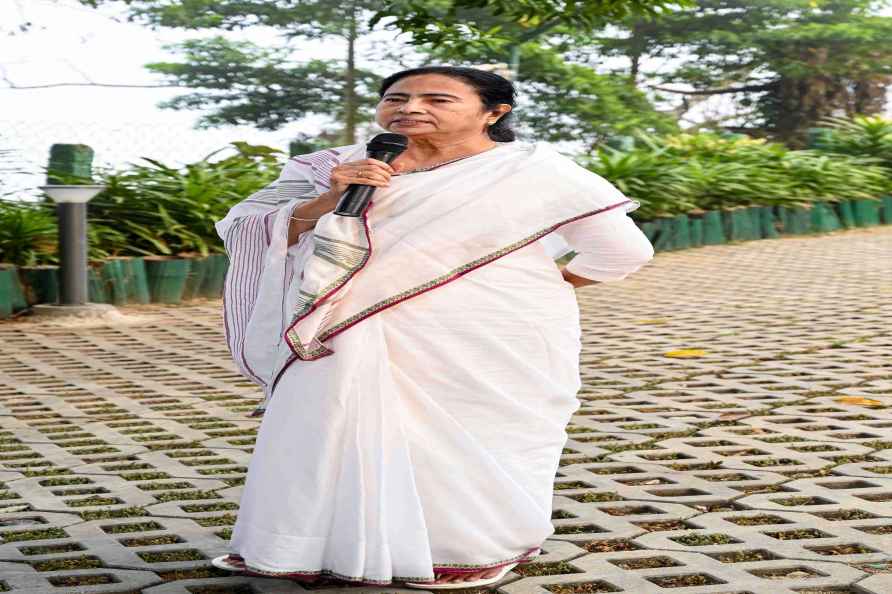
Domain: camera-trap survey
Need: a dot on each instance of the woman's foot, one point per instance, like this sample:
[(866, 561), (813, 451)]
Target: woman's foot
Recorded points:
[(236, 561), (239, 562), (451, 578)]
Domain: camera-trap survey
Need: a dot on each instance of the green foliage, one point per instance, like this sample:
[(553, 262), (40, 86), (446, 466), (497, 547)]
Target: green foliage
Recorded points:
[(572, 102), (785, 63), (28, 233), (681, 173), (247, 84), (866, 136), (469, 23), (153, 208)]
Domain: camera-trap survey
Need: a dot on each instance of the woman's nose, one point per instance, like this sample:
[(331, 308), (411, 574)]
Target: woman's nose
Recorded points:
[(408, 105)]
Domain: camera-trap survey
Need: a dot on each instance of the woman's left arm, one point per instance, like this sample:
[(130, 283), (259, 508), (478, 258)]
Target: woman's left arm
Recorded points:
[(609, 247)]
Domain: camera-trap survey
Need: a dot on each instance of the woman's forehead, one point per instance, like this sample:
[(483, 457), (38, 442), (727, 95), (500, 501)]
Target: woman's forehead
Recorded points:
[(429, 84)]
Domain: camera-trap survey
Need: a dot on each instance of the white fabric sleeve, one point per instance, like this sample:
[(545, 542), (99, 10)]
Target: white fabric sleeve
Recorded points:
[(609, 246), (261, 269)]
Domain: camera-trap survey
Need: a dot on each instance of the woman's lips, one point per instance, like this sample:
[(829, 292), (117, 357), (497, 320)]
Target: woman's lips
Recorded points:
[(410, 122)]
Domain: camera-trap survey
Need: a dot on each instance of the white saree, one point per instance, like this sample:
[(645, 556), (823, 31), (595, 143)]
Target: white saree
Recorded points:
[(419, 363)]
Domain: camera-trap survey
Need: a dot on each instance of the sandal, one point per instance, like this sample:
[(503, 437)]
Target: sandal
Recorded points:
[(465, 584), (229, 563)]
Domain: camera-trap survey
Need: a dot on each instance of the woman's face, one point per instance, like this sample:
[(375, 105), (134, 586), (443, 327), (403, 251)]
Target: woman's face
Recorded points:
[(434, 105)]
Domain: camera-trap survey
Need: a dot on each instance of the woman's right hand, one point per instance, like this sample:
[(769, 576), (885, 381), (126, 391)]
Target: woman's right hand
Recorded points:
[(369, 172)]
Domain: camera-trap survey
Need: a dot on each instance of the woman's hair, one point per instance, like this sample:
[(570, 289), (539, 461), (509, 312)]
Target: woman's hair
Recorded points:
[(492, 89)]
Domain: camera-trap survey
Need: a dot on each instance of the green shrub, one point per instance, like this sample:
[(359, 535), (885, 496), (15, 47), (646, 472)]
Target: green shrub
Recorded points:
[(157, 209), (682, 173), (28, 233)]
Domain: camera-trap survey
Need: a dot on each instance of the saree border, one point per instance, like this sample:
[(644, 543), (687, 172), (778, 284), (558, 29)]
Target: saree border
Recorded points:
[(526, 557), (322, 351), (291, 337)]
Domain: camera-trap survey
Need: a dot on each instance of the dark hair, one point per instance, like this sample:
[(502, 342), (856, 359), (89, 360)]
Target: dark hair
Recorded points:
[(492, 89)]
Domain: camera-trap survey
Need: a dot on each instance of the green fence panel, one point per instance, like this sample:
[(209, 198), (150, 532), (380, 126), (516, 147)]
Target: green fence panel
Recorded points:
[(713, 229), (680, 230), (167, 278), (662, 240), (96, 292), (846, 213), (649, 228), (215, 276), (115, 279), (6, 291), (795, 220), (12, 295), (138, 282), (696, 231), (41, 283), (887, 209), (738, 224), (867, 212), (197, 273), (767, 221), (823, 218)]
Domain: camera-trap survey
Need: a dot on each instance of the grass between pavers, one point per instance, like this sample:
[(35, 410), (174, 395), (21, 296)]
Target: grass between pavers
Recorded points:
[(68, 547), (132, 527), (645, 563), (171, 556), (536, 569), (685, 581), (186, 495), (25, 535), (702, 540), (593, 587), (145, 476), (196, 573), (69, 563), (222, 520), (82, 580), (73, 480), (162, 539), (123, 512)]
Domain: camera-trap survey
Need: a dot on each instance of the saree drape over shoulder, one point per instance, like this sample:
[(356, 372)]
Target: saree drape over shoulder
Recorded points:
[(419, 364)]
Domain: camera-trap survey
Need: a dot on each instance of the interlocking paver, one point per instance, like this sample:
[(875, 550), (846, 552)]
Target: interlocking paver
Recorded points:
[(124, 442)]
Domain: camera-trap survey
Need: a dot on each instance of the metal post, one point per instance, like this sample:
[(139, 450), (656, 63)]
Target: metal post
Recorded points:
[(73, 252)]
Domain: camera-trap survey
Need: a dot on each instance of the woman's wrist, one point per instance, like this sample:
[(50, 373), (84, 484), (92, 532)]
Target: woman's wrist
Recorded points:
[(303, 217)]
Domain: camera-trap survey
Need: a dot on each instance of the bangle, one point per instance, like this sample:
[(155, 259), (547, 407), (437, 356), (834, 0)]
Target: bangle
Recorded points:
[(297, 219)]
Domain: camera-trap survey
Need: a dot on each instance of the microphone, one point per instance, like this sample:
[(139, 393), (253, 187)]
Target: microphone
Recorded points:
[(384, 147)]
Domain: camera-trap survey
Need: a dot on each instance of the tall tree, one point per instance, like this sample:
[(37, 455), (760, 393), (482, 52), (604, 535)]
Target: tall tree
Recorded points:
[(247, 84), (786, 63), (233, 77)]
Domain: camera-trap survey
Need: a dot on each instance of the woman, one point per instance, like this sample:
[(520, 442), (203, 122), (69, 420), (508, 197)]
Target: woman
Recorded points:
[(419, 363)]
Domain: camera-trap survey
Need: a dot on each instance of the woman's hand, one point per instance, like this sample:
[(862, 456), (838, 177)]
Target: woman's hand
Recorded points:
[(369, 172)]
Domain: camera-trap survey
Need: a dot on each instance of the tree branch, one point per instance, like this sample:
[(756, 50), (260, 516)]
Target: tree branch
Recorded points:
[(13, 86), (744, 89), (4, 75)]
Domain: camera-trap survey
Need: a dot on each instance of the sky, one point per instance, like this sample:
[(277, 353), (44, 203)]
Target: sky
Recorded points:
[(68, 42)]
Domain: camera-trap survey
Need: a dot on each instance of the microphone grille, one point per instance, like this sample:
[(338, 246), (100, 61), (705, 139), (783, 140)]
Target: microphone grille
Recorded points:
[(389, 141)]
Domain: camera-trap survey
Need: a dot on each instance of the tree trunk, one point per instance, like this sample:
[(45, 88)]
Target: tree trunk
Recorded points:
[(870, 95), (635, 54), (350, 106)]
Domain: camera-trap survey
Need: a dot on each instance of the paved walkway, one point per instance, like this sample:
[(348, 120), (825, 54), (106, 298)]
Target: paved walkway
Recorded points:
[(738, 470)]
